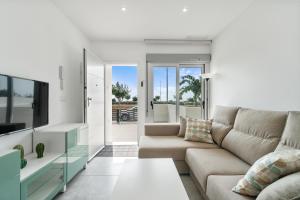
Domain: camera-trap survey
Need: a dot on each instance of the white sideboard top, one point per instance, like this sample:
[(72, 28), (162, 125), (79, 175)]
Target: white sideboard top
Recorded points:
[(3, 153), (62, 127)]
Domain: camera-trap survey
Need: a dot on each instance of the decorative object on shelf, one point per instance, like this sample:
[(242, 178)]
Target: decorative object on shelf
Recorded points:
[(40, 147), (23, 160)]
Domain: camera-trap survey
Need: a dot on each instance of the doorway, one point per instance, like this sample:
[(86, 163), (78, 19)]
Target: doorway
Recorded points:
[(175, 90), (124, 109)]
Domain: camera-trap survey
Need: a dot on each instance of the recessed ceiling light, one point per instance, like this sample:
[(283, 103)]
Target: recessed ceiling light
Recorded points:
[(124, 9), (185, 9)]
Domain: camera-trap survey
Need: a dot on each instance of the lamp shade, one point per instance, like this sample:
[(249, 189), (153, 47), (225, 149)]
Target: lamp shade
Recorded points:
[(208, 75)]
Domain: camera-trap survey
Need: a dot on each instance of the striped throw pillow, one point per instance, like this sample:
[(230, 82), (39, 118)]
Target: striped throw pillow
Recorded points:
[(267, 170), (198, 130)]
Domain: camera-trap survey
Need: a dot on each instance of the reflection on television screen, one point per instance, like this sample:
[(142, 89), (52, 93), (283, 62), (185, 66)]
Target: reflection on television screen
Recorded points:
[(23, 104)]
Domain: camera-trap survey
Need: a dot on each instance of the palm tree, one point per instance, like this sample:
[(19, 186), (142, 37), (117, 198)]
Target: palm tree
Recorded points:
[(191, 84), (127, 97), (120, 91), (156, 98)]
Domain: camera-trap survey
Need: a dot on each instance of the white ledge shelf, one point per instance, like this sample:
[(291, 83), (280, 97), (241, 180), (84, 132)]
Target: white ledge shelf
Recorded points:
[(34, 164), (59, 128)]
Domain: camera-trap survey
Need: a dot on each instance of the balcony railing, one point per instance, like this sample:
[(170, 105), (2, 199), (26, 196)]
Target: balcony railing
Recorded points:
[(124, 112), (166, 112)]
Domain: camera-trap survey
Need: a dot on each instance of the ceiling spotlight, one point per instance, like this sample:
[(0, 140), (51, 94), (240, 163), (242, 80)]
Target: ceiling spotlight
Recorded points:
[(185, 10), (124, 9)]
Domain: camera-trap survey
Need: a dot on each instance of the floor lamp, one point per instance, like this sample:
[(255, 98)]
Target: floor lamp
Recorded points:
[(206, 77)]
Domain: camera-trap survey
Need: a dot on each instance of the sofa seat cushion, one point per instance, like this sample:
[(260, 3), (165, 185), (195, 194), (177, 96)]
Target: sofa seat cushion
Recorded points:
[(219, 188), (255, 133), (167, 147), (206, 162)]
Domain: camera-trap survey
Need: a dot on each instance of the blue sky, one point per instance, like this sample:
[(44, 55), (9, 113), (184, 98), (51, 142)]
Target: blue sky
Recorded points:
[(160, 82), (126, 75)]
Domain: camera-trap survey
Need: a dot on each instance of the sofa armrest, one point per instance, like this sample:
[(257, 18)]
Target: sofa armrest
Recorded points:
[(161, 129)]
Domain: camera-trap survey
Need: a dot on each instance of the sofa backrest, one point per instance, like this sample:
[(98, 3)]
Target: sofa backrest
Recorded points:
[(223, 121), (255, 133), (291, 135)]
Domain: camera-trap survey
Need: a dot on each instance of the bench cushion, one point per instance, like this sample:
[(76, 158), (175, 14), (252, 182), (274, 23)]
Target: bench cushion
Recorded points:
[(291, 135), (219, 188), (167, 147), (206, 162), (223, 121), (255, 133)]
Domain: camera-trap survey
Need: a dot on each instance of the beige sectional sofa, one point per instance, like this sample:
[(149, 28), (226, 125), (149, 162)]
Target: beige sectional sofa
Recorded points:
[(241, 137)]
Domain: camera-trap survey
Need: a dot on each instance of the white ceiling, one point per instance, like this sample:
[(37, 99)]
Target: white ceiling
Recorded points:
[(151, 19)]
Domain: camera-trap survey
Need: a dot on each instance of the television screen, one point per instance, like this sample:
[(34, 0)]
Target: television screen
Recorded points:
[(23, 104)]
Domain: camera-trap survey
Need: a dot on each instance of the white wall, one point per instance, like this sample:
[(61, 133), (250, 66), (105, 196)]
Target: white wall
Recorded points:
[(257, 58), (135, 53), (35, 39)]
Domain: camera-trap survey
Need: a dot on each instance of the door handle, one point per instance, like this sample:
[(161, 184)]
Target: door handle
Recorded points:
[(89, 99), (151, 103)]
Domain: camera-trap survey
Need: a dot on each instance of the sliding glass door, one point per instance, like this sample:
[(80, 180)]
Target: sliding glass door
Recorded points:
[(163, 100), (191, 91), (175, 90)]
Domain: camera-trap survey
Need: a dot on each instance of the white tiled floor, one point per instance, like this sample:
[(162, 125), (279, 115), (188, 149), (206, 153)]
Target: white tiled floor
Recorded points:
[(96, 181), (124, 132), (100, 177)]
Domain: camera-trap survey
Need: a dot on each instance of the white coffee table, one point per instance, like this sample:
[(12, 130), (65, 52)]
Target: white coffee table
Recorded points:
[(149, 179)]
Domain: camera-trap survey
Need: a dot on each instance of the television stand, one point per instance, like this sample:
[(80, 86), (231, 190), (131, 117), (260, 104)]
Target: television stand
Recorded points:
[(71, 140)]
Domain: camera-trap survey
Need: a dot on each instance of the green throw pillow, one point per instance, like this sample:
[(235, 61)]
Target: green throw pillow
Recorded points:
[(267, 170), (198, 130)]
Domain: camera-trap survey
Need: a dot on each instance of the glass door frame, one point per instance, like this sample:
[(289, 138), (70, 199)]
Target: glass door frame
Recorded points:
[(150, 82)]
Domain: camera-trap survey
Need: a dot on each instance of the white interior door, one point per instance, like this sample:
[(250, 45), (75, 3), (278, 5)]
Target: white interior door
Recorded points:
[(95, 102)]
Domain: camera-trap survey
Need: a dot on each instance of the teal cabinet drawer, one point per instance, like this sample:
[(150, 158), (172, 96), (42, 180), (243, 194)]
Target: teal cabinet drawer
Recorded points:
[(77, 154), (45, 183), (77, 158), (75, 164), (10, 176), (71, 138)]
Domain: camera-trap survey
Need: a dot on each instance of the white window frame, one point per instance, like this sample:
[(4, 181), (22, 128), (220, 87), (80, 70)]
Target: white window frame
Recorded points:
[(150, 82)]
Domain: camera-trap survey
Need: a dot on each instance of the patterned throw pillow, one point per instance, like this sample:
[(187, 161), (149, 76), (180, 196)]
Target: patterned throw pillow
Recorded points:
[(198, 130), (267, 170), (182, 127)]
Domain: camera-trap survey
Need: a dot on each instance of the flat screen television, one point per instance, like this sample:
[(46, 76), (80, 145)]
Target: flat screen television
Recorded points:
[(23, 104)]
